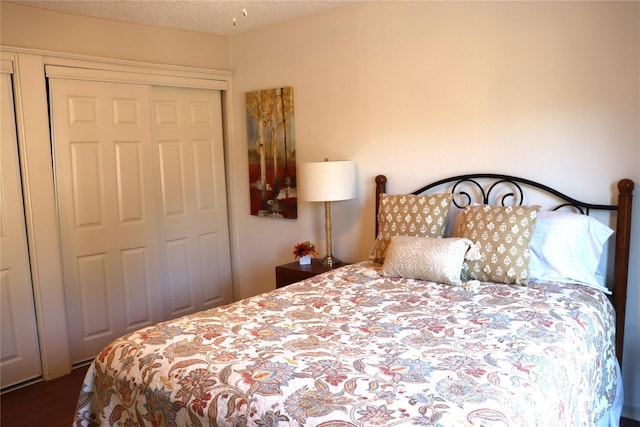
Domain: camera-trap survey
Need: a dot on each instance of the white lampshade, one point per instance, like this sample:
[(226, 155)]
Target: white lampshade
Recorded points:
[(327, 181)]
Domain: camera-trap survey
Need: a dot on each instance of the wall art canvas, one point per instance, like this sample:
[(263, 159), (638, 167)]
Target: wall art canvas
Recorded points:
[(272, 153)]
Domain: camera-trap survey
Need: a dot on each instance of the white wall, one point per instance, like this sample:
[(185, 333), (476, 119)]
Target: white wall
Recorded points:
[(418, 91), (422, 90), (34, 27)]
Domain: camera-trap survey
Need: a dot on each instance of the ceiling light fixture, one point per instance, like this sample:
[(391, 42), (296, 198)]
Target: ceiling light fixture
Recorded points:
[(244, 13)]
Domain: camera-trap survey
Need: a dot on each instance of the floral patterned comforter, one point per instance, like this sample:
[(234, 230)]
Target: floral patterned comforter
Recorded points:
[(352, 348)]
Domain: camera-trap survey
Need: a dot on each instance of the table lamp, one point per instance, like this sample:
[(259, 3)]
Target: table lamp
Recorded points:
[(328, 182)]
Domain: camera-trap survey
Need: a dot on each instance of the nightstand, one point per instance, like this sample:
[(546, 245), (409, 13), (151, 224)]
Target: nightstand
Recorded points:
[(287, 274)]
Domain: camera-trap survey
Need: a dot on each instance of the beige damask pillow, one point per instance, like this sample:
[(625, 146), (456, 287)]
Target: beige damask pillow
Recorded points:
[(426, 258), (410, 215), (503, 234)]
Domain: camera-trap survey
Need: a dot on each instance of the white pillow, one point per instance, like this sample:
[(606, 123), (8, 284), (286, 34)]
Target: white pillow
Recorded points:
[(426, 258), (566, 247)]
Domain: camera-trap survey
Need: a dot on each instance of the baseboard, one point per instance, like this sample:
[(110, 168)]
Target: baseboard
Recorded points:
[(631, 411)]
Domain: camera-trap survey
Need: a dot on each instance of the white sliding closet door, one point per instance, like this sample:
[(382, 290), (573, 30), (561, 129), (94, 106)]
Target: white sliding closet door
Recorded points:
[(142, 206), (20, 359), (104, 181), (192, 205)]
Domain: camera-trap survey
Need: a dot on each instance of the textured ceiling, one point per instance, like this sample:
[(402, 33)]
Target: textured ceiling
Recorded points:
[(208, 16)]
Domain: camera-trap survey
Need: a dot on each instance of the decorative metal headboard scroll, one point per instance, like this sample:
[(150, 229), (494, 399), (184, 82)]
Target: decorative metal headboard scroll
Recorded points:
[(505, 189), (517, 195)]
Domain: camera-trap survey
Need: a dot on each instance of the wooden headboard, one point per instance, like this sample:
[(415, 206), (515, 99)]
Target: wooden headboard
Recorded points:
[(485, 186)]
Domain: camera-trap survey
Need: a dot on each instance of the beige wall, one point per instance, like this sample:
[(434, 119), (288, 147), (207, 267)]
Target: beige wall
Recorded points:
[(33, 27), (423, 90), (415, 90)]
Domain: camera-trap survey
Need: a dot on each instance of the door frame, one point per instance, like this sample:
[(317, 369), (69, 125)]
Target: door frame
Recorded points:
[(32, 67)]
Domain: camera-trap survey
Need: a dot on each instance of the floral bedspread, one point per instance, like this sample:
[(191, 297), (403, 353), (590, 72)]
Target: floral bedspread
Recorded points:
[(352, 348)]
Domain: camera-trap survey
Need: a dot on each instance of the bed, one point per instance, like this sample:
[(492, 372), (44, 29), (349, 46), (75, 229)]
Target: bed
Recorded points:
[(437, 328)]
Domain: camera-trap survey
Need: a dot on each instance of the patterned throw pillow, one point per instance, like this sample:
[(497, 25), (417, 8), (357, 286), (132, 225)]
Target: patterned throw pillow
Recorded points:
[(503, 233), (410, 215), (425, 258)]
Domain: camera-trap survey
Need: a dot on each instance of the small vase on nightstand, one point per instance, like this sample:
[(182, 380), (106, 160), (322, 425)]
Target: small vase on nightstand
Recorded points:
[(306, 259)]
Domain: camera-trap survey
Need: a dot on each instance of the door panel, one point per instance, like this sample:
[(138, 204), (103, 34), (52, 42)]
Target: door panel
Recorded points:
[(104, 183), (130, 181), (171, 177), (94, 295), (20, 355), (194, 232), (87, 185)]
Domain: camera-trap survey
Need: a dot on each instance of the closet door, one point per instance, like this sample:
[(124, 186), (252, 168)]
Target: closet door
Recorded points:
[(104, 181), (141, 191), (191, 203), (20, 354)]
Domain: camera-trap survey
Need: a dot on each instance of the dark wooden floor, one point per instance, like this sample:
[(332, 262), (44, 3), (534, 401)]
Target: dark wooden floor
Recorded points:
[(44, 404), (53, 403)]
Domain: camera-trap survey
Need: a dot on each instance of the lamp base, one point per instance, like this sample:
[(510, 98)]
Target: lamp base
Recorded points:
[(330, 261)]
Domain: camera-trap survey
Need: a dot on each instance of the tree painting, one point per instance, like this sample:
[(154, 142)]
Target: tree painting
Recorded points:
[(272, 153)]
